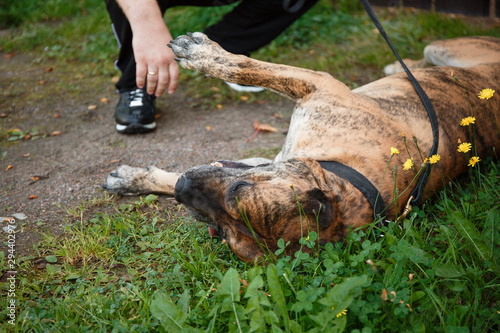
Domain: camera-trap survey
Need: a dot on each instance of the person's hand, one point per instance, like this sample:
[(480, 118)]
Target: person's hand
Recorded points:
[(155, 65)]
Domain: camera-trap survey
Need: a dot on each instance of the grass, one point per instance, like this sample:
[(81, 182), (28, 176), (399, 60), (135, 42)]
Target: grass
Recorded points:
[(139, 268)]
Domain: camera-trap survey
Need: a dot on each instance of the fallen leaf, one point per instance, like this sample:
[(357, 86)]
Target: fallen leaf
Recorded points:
[(114, 161), (57, 115), (26, 155), (35, 178), (385, 298), (384, 295), (208, 128), (3, 115), (104, 100), (115, 79), (8, 55), (264, 127), (48, 69), (27, 137), (158, 115), (9, 167), (219, 106), (92, 107), (34, 196), (42, 82), (244, 282), (244, 98), (55, 133)]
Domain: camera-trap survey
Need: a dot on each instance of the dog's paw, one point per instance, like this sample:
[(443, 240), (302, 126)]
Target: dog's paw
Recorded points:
[(195, 51), (126, 180)]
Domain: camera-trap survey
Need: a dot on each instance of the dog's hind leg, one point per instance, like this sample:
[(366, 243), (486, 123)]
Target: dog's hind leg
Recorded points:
[(463, 52), (459, 52), (197, 52)]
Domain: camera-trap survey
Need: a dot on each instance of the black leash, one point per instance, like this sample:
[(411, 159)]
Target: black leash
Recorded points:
[(360, 182), (417, 192), (289, 8)]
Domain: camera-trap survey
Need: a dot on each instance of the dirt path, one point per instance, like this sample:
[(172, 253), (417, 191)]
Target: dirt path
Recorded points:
[(64, 170)]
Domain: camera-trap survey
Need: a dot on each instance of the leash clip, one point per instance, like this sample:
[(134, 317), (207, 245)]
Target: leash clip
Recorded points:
[(408, 210)]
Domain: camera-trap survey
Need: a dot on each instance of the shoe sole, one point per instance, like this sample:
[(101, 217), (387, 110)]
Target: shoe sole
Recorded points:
[(240, 88), (135, 128)]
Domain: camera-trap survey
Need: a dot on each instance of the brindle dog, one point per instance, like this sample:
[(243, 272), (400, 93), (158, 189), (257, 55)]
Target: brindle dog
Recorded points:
[(330, 123)]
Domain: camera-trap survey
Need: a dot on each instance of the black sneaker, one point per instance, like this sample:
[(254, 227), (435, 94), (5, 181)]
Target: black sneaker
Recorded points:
[(135, 112)]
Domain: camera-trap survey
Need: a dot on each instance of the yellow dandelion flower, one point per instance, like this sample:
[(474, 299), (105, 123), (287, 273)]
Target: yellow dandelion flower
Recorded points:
[(467, 121), (473, 160), (434, 159), (486, 93), (394, 151), (408, 164), (464, 147), (342, 313), (403, 134)]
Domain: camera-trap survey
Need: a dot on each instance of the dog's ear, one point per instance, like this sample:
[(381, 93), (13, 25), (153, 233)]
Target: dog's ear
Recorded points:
[(313, 169), (318, 207)]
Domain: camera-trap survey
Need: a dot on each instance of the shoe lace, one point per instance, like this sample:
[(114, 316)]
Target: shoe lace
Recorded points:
[(136, 97)]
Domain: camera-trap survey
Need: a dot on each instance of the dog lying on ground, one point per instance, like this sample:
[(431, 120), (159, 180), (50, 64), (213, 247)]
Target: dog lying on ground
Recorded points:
[(330, 123)]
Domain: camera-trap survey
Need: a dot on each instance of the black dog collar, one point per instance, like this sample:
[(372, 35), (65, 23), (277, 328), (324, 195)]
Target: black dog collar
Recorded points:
[(360, 182)]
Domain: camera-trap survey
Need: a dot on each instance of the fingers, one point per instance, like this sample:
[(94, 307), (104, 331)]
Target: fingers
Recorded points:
[(152, 80), (174, 77), (157, 80), (161, 83), (140, 74)]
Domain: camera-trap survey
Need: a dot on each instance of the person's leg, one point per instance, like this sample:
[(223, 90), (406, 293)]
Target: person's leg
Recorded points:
[(123, 34), (255, 23), (135, 110)]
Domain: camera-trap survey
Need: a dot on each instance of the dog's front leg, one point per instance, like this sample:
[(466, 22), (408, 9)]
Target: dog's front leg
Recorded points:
[(197, 52), (127, 180)]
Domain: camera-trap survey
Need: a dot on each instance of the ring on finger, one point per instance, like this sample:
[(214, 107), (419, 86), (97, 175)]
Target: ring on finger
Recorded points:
[(151, 73)]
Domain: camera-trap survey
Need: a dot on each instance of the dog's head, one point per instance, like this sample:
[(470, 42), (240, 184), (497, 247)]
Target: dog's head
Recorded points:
[(251, 208)]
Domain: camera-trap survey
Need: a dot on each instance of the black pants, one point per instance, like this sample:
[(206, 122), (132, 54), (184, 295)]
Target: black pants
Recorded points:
[(249, 26)]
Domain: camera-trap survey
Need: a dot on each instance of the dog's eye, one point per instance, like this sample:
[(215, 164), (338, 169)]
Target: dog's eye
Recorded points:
[(238, 185)]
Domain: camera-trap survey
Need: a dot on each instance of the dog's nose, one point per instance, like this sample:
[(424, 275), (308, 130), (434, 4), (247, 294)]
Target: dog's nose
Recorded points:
[(180, 188)]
